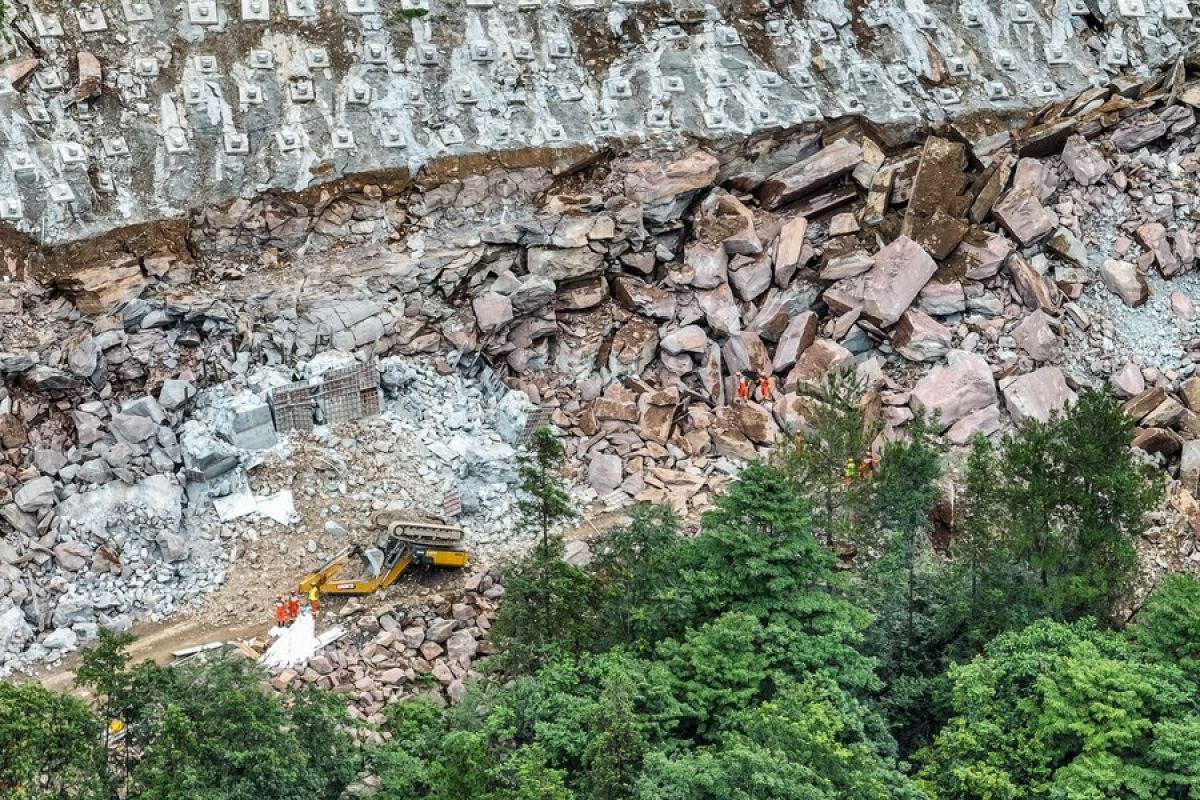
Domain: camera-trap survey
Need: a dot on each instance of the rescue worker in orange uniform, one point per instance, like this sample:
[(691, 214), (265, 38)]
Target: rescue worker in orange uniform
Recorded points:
[(293, 608), (764, 388), (313, 594), (280, 611), (848, 473), (869, 461), (743, 388)]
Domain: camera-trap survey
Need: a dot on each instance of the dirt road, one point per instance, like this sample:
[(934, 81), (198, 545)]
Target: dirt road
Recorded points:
[(156, 641)]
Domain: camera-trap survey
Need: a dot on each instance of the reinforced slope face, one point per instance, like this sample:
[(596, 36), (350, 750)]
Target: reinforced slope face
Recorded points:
[(119, 113)]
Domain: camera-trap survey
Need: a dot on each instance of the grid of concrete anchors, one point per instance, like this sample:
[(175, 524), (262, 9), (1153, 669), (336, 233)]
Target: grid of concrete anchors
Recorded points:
[(132, 110)]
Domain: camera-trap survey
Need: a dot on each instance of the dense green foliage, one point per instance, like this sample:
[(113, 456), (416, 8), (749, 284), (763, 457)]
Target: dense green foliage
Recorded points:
[(213, 731), (1066, 711), (744, 662)]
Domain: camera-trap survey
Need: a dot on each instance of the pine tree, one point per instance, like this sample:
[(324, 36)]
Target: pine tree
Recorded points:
[(840, 430), (548, 604), (544, 502), (613, 758)]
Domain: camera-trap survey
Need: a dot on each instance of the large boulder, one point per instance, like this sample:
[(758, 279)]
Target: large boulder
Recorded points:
[(920, 337), (15, 631), (564, 264), (665, 189), (1123, 279), (797, 336), (1035, 336), (885, 292), (1084, 160), (1138, 131), (688, 339), (633, 347), (811, 174), (604, 472), (950, 392), (1036, 395), (35, 495), (819, 359), (1023, 216)]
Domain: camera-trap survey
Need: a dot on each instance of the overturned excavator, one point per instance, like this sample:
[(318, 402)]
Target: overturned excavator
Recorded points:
[(406, 541)]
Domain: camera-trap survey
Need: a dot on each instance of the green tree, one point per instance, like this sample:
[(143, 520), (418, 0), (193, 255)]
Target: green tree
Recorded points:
[(905, 492), (715, 672), (1168, 625), (544, 501), (169, 769), (756, 554), (1065, 711), (549, 605), (636, 567), (1074, 499), (809, 743), (613, 758), (840, 430), (47, 744), (984, 591)]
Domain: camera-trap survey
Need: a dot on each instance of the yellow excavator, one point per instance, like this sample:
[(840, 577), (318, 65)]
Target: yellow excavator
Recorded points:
[(407, 543)]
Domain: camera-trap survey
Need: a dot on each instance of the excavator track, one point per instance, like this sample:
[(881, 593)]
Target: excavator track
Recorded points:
[(410, 528)]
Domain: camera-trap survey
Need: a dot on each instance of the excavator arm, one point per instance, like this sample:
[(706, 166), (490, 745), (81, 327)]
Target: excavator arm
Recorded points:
[(322, 576)]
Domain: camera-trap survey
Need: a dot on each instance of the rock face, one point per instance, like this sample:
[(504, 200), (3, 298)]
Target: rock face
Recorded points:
[(611, 294)]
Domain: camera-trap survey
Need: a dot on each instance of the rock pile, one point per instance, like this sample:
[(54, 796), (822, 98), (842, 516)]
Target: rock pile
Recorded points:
[(425, 644), (985, 276)]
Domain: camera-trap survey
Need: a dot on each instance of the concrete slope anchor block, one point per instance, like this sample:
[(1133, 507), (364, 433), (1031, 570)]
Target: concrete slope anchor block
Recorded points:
[(302, 92), (375, 54), (256, 11), (205, 65), (91, 20), (250, 94), (301, 9), (48, 80), (203, 12), (288, 140), (177, 142), (20, 162), (235, 143), (60, 193), (48, 26), (137, 11), (393, 138), (114, 146), (10, 209), (316, 58), (71, 154), (1021, 14), (1176, 10), (342, 139)]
